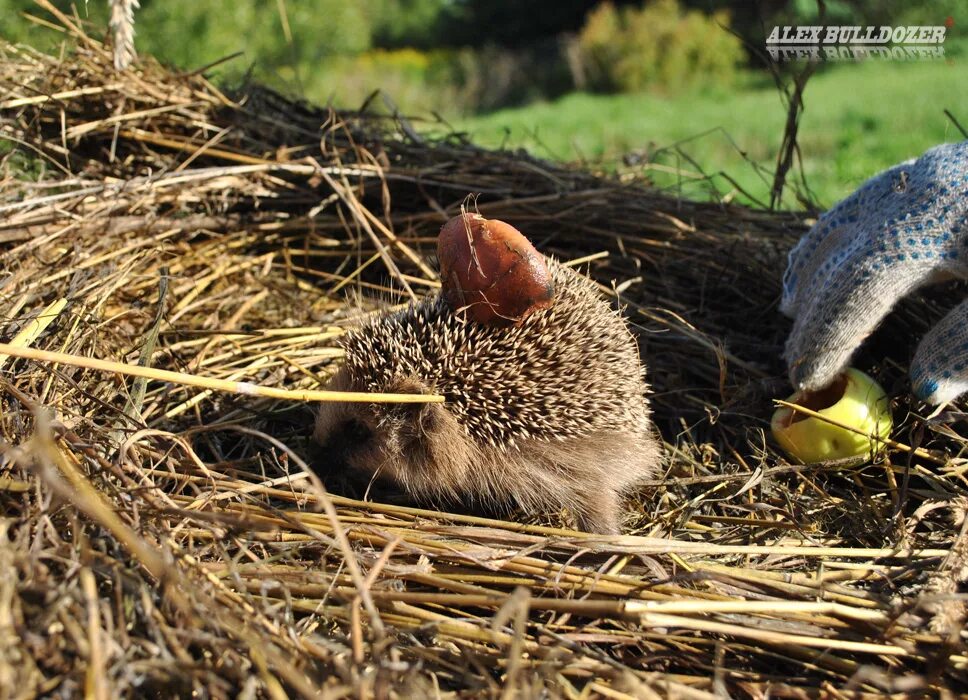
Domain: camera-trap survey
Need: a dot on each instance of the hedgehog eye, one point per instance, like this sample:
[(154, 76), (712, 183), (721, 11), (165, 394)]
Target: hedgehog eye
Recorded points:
[(356, 431)]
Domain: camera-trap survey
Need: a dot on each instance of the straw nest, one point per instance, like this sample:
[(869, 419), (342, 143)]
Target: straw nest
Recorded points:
[(165, 539)]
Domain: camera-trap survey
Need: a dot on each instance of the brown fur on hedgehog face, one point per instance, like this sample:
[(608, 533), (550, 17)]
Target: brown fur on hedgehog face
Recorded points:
[(420, 446), (548, 415)]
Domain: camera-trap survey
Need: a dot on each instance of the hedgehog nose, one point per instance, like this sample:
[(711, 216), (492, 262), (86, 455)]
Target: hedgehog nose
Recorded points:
[(331, 455)]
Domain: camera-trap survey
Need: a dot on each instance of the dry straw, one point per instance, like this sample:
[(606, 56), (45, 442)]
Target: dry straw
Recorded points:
[(161, 540), (13, 349)]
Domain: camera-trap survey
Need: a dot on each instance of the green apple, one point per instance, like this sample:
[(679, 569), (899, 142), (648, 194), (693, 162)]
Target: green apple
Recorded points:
[(852, 399)]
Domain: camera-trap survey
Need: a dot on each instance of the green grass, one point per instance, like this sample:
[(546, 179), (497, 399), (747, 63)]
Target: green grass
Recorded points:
[(859, 119)]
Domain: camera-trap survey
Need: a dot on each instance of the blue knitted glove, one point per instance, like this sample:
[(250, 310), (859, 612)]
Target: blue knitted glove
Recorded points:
[(903, 229)]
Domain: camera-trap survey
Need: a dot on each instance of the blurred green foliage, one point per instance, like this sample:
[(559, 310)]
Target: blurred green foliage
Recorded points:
[(409, 23), (659, 44), (193, 33), (316, 30), (449, 56), (417, 81), (877, 12), (449, 81), (511, 24), (458, 57)]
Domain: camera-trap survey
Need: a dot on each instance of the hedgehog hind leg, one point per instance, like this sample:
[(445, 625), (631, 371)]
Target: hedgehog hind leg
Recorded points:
[(644, 456), (599, 512), (588, 475), (617, 464)]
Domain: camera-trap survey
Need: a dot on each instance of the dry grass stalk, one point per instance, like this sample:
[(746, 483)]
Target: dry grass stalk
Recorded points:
[(173, 543), (230, 386), (122, 28)]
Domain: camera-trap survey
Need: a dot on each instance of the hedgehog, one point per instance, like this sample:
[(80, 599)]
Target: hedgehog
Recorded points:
[(551, 413)]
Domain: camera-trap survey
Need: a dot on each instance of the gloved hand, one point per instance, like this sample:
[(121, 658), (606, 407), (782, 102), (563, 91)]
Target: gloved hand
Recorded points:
[(903, 229)]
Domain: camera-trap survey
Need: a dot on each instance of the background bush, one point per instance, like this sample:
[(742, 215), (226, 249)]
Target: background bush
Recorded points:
[(658, 45), (416, 81)]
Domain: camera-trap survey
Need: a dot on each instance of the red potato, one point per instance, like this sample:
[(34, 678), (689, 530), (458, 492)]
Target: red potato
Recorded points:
[(491, 272)]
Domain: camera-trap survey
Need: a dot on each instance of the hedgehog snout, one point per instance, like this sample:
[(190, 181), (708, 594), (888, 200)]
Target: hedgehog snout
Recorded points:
[(346, 433), (341, 444)]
